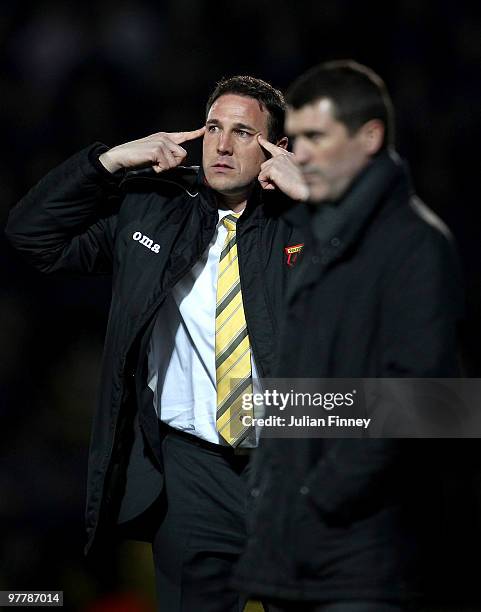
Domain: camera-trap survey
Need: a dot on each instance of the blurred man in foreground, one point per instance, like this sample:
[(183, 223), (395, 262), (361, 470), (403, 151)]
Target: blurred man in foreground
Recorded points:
[(335, 521)]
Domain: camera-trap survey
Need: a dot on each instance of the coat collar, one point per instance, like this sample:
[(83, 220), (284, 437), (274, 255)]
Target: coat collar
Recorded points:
[(383, 184), (340, 224)]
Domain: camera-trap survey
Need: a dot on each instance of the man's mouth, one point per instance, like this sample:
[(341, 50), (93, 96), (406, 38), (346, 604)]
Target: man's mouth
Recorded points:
[(222, 165), (311, 174)]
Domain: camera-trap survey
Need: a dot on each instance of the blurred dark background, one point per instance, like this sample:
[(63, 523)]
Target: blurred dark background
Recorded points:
[(112, 71)]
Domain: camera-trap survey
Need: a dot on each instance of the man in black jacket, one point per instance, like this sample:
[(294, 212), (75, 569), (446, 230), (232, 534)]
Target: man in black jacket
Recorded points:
[(199, 274), (377, 296)]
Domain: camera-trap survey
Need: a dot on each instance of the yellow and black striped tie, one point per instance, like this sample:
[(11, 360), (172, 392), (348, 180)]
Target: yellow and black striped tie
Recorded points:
[(232, 346)]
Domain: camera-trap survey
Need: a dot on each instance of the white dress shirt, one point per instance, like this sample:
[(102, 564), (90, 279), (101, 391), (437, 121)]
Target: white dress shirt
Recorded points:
[(181, 356)]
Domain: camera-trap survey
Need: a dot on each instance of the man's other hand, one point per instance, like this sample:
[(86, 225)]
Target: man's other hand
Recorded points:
[(282, 171), (161, 151)]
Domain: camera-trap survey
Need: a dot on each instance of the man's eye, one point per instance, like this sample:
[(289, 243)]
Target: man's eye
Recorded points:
[(242, 133), (212, 128)]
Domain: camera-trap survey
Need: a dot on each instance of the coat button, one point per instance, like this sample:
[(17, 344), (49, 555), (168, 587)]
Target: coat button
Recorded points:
[(304, 490), (335, 242), (315, 259), (255, 492)]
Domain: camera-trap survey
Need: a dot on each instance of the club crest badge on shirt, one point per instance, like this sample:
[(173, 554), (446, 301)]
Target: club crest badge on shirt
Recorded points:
[(292, 252)]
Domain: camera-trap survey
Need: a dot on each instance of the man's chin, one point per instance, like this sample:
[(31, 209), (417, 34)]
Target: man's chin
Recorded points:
[(225, 186), (318, 194)]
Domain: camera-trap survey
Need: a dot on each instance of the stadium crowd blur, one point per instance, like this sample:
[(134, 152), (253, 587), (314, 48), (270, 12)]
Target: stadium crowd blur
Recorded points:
[(73, 73)]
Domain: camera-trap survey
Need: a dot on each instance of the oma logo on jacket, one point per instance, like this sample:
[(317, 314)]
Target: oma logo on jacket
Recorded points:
[(146, 241)]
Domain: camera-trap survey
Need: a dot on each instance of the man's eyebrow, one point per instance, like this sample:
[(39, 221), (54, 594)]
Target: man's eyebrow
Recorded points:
[(244, 126), (241, 126), (306, 134)]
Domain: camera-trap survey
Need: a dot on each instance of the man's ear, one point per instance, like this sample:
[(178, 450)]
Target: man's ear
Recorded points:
[(283, 142), (372, 134)]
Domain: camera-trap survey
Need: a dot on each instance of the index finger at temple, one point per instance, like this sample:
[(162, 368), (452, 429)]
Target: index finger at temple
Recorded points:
[(179, 137), (268, 146)]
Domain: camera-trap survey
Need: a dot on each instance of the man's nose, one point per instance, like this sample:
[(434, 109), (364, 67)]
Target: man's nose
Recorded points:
[(224, 144), (301, 150)]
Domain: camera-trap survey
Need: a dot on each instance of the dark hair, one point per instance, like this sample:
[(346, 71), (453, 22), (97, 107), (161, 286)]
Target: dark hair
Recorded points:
[(358, 94), (267, 96)]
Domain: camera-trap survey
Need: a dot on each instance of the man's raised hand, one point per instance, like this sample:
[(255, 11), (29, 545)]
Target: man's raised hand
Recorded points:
[(282, 171), (161, 151)]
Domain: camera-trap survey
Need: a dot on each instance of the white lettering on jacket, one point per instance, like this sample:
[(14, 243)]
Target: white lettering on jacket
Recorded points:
[(146, 241)]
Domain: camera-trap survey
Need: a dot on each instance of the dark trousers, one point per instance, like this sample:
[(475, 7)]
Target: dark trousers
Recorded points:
[(204, 528)]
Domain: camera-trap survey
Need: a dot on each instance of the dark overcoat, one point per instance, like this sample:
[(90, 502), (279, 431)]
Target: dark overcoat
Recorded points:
[(378, 295)]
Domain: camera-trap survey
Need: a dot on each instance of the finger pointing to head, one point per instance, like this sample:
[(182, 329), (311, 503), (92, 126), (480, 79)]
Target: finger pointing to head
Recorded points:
[(179, 137), (274, 150)]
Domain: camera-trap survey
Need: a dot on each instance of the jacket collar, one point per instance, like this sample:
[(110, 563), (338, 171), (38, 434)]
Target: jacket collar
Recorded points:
[(191, 180), (183, 177)]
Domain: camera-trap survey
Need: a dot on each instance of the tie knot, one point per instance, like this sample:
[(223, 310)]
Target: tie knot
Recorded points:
[(230, 221)]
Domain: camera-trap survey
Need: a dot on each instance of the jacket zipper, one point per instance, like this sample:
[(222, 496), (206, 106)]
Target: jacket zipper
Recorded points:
[(260, 369)]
